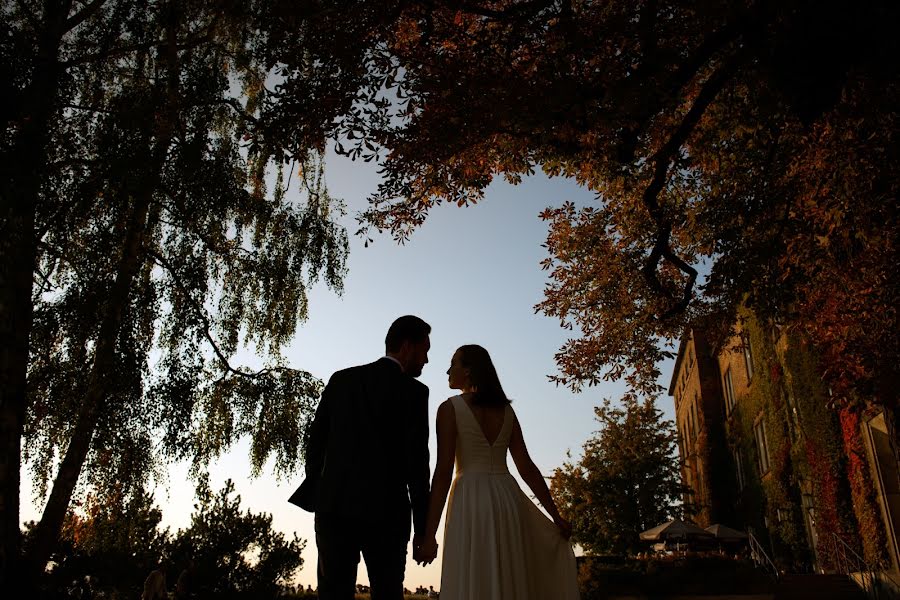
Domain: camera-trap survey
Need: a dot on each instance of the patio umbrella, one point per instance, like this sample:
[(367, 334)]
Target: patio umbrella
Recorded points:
[(675, 529), (726, 534)]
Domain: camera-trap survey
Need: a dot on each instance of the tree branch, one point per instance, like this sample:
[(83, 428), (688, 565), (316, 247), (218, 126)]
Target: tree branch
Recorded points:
[(60, 256), (745, 23), (46, 285), (84, 14), (180, 213), (514, 12), (189, 43), (201, 314), (111, 53), (661, 160), (88, 109)]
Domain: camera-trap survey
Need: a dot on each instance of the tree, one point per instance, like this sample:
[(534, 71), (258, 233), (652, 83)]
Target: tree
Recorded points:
[(626, 482), (137, 149), (741, 151), (116, 539), (234, 552), (113, 538)]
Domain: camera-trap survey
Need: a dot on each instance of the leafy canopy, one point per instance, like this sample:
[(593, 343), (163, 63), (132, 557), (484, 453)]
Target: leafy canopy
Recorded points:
[(166, 106), (751, 140)]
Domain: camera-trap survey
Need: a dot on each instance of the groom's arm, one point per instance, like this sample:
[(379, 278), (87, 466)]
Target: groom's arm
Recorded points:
[(317, 440), (419, 472)]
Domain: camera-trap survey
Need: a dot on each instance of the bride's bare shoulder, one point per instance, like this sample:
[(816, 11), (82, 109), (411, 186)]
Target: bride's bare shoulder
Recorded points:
[(447, 406)]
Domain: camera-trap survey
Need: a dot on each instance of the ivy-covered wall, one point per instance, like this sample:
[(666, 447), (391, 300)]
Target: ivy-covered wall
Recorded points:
[(812, 448), (771, 501), (835, 458)]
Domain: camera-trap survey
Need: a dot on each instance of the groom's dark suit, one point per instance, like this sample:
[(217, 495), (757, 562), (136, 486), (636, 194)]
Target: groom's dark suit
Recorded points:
[(367, 465)]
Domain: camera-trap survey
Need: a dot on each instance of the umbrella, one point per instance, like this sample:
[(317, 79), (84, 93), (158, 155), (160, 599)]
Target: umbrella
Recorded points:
[(675, 529), (726, 534)]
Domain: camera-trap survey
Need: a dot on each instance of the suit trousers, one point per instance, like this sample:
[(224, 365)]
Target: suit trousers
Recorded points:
[(381, 541)]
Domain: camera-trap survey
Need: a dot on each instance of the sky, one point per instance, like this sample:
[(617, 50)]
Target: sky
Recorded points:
[(474, 275)]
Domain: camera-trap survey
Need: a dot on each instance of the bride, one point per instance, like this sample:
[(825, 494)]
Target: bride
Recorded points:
[(497, 543)]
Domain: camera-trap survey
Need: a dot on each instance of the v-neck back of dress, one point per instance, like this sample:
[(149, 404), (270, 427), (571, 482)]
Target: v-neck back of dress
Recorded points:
[(473, 451), (497, 544)]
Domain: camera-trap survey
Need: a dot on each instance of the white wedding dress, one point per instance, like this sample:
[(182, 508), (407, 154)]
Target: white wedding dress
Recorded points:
[(497, 544)]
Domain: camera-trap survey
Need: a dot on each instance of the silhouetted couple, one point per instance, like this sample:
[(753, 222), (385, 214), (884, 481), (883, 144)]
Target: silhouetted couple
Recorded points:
[(367, 471)]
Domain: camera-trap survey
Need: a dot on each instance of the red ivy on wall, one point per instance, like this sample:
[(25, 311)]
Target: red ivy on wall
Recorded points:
[(828, 521), (775, 371), (861, 488)]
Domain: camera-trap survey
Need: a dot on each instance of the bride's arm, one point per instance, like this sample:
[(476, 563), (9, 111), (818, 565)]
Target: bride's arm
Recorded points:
[(440, 482), (531, 475)]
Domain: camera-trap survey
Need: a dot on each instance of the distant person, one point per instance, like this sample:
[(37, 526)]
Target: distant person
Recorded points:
[(81, 589), (184, 587), (497, 544), (155, 586), (367, 465)]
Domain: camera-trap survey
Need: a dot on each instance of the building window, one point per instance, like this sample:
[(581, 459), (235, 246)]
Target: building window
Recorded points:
[(698, 494), (729, 391), (694, 409), (738, 468), (762, 446), (748, 357), (695, 423)]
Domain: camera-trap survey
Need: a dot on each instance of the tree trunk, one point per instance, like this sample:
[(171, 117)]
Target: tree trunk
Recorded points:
[(23, 167), (47, 531), (147, 180), (17, 254)]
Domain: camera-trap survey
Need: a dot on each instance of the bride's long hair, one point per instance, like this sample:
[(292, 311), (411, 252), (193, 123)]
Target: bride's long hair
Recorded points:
[(482, 376)]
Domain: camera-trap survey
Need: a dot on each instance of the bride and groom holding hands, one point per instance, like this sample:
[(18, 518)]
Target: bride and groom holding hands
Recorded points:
[(367, 480)]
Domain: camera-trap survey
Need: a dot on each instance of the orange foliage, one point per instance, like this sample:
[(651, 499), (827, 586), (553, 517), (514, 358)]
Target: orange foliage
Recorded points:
[(754, 143)]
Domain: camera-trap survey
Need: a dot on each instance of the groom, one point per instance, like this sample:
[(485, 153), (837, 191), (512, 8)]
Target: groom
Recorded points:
[(367, 465)]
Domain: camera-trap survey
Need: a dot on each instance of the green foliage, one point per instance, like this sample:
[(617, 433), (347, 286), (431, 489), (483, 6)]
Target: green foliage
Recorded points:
[(140, 144), (806, 448), (626, 482), (223, 263), (116, 540), (234, 551), (113, 538), (773, 498)]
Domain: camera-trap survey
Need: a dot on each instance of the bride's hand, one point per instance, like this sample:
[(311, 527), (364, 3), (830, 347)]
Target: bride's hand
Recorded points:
[(427, 551), (565, 528)]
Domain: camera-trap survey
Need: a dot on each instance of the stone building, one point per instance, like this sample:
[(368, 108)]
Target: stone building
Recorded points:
[(698, 414), (763, 451)]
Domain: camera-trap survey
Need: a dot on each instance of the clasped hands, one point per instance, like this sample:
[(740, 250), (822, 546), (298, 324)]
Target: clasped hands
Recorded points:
[(424, 550)]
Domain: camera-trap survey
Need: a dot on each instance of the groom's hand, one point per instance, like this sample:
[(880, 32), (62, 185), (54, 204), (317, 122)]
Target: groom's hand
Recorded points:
[(417, 550), (424, 551)]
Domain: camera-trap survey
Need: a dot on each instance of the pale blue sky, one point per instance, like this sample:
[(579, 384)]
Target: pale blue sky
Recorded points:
[(474, 274)]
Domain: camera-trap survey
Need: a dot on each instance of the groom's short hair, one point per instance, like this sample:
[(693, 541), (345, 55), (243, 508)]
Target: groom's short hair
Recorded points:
[(406, 328)]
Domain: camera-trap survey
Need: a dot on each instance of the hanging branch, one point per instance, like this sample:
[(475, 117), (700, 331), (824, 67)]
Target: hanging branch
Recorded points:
[(662, 161), (201, 314)]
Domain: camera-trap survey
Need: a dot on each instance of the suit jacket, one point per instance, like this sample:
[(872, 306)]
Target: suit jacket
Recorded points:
[(367, 450)]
